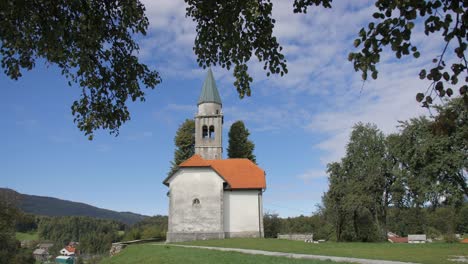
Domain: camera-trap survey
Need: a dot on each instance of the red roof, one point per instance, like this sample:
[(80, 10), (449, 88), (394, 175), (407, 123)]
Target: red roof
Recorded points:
[(398, 239), (238, 173), (70, 249)]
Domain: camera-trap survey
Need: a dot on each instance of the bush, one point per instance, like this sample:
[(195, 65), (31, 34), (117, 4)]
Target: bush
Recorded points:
[(450, 238)]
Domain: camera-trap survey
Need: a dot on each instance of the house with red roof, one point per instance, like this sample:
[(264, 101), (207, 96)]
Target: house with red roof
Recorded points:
[(68, 251), (211, 197)]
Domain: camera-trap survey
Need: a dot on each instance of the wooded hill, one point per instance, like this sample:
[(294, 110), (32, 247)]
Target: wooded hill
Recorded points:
[(49, 206)]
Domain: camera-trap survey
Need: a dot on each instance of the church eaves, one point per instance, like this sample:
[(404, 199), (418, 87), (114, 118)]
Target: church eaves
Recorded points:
[(209, 92), (238, 173)]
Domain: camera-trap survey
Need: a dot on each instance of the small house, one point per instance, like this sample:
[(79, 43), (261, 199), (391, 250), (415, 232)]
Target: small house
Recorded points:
[(394, 238), (45, 245), (40, 254), (68, 251)]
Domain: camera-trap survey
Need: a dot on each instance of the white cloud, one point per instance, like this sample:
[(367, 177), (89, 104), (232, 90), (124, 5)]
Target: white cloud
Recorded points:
[(321, 93), (312, 174)]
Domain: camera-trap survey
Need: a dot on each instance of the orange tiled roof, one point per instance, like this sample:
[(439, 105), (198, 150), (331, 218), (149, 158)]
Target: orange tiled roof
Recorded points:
[(195, 161), (398, 239), (239, 173), (70, 249)]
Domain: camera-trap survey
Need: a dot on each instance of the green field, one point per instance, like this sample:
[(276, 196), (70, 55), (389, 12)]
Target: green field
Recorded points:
[(150, 253), (433, 253), (26, 236)]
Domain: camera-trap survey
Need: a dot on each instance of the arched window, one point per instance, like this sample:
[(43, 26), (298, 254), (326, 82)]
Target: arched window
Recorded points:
[(195, 202), (212, 132), (205, 132)]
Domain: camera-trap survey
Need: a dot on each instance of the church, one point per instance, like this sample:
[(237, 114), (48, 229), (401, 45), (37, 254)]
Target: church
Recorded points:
[(211, 197)]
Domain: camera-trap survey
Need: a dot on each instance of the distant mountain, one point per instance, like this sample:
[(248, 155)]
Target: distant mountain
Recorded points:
[(49, 206)]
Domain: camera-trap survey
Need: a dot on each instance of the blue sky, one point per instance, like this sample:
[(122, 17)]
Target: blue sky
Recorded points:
[(298, 123)]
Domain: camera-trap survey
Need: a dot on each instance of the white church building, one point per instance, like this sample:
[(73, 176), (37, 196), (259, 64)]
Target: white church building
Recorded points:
[(211, 197)]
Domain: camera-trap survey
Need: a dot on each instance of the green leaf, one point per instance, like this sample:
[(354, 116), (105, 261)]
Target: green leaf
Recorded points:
[(446, 76), (439, 86), (429, 99), (419, 97), (449, 92), (463, 89), (422, 74), (357, 42)]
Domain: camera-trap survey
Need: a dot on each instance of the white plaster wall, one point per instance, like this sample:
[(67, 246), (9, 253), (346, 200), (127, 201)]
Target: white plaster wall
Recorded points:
[(241, 211), (209, 109), (200, 183)]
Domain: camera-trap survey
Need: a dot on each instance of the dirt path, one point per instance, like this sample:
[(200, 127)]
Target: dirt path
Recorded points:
[(294, 255)]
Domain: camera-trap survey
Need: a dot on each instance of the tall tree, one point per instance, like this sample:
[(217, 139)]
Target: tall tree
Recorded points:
[(239, 144), (414, 174), (433, 155), (334, 199), (10, 250), (358, 186), (185, 144)]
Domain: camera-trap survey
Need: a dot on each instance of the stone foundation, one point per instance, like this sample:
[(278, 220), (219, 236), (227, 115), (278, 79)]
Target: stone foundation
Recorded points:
[(116, 248), (299, 237), (183, 236), (252, 234)]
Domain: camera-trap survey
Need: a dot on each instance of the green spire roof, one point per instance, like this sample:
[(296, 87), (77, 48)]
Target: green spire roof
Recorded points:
[(209, 92)]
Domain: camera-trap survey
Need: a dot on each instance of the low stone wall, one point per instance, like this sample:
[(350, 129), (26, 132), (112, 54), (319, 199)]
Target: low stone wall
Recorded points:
[(417, 238), (299, 237), (181, 236), (116, 248)]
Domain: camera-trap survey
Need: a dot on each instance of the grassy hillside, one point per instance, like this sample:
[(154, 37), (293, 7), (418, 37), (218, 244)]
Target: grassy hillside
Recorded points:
[(150, 253), (433, 253), (48, 206)]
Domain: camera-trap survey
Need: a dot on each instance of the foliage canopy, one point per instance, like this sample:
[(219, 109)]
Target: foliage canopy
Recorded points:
[(240, 146), (184, 141), (92, 43), (399, 176)]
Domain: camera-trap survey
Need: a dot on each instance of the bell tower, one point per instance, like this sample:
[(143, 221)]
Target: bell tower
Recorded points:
[(209, 121)]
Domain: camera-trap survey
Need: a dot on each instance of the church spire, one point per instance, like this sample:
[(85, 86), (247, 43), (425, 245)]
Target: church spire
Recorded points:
[(209, 92), (209, 121)]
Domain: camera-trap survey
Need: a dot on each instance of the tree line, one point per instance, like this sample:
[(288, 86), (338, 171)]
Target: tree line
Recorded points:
[(151, 227), (410, 182), (95, 235), (401, 181)]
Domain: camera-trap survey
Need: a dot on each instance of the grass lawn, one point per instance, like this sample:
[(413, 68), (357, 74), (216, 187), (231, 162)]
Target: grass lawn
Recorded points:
[(150, 253), (433, 253), (26, 236)]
